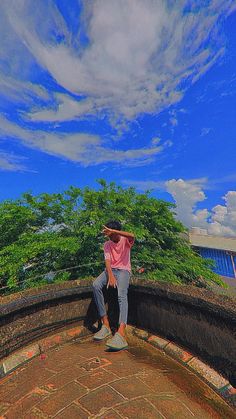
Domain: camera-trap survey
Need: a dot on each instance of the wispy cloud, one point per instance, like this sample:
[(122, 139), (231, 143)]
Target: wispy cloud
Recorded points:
[(173, 117), (141, 55), (205, 183), (205, 131), (174, 121), (217, 183), (144, 185), (85, 149), (64, 108), (225, 179), (11, 162)]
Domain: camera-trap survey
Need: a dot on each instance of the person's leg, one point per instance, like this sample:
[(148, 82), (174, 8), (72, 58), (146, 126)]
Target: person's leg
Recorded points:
[(123, 278), (118, 341), (98, 285)]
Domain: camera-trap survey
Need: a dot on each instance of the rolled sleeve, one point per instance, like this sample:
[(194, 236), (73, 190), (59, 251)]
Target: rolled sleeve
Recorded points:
[(107, 255)]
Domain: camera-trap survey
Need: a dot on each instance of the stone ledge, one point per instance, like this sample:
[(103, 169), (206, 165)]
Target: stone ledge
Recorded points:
[(21, 300), (203, 323), (210, 375), (177, 352), (24, 355), (202, 298), (157, 341), (204, 371), (14, 361)]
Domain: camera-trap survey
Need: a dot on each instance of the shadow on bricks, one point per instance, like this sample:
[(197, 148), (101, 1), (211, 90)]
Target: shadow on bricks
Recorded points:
[(111, 301)]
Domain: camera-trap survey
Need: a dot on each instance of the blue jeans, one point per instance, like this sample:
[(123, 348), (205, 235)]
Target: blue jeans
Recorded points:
[(122, 276)]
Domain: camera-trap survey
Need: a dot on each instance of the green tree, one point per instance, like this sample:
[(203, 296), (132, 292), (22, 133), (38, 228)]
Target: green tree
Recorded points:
[(62, 232), (15, 219)]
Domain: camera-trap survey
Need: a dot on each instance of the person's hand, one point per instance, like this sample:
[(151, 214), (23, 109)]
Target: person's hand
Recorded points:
[(112, 282), (107, 231)]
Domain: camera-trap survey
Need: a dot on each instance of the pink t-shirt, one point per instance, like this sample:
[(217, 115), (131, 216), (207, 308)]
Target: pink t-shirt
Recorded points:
[(119, 253)]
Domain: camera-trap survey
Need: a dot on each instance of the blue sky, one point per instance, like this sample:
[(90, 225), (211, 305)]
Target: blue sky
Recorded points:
[(141, 92)]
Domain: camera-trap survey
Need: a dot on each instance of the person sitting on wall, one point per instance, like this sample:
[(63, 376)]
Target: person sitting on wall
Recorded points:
[(116, 275)]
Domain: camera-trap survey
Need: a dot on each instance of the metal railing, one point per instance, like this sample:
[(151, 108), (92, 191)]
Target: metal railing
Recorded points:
[(137, 267)]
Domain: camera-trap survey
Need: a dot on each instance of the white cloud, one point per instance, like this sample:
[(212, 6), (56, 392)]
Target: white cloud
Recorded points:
[(141, 56), (65, 108), (187, 194), (22, 92), (11, 162), (16, 64), (140, 52), (82, 148), (224, 179), (221, 220), (152, 184), (205, 131), (174, 121), (224, 216), (156, 140), (144, 185)]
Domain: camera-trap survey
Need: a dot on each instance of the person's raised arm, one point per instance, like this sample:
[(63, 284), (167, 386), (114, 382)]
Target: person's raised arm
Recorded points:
[(109, 231)]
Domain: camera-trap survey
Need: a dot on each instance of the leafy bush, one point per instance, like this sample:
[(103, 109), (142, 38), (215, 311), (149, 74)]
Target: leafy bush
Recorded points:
[(54, 232)]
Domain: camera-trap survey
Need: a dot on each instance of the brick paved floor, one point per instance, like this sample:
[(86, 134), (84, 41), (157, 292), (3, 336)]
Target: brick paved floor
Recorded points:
[(83, 380)]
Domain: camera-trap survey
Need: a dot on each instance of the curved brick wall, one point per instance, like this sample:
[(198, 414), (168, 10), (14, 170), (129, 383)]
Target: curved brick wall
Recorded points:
[(196, 319), (29, 315)]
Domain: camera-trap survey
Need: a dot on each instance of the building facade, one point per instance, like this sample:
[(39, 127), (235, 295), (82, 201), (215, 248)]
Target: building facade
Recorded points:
[(222, 250)]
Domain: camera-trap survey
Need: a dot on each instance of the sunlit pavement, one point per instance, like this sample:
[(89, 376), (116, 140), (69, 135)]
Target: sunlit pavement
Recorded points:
[(83, 380)]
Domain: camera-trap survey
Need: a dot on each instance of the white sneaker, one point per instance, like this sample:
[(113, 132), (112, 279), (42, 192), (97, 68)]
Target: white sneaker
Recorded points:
[(103, 333), (117, 342)]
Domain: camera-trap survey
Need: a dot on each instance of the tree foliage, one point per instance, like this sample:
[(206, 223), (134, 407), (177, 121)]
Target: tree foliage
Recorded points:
[(62, 232)]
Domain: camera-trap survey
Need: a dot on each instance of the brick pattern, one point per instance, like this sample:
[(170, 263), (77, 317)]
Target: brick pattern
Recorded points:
[(20, 408), (17, 359), (131, 387), (71, 412), (97, 379), (110, 414), (55, 402), (82, 380), (172, 408), (215, 380), (101, 398), (139, 408), (46, 344)]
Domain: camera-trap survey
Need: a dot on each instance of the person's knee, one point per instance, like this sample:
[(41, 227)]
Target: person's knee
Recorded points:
[(122, 294)]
